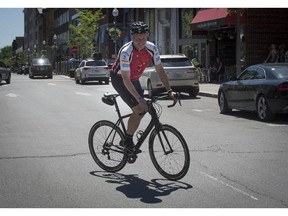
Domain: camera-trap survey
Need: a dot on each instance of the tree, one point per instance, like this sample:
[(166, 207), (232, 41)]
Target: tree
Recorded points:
[(6, 55), (83, 34), (187, 15)]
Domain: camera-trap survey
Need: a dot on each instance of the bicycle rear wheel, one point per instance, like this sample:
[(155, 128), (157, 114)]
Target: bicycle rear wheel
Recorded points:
[(104, 145), (169, 152)]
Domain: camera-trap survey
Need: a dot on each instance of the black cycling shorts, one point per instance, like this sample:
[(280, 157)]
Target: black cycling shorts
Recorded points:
[(127, 97)]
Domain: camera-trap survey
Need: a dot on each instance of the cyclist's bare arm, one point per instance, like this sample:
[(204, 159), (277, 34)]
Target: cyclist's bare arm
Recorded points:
[(164, 79)]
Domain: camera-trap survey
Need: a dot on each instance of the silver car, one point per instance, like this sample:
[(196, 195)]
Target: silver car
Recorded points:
[(181, 73), (92, 70)]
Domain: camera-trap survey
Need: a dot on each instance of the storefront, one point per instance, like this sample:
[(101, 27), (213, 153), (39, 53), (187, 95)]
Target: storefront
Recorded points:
[(219, 26)]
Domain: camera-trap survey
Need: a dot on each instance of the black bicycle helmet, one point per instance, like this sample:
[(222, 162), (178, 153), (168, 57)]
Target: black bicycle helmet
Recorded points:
[(139, 28)]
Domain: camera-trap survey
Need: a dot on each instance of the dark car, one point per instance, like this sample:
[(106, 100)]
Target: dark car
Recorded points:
[(5, 73), (261, 88), (40, 67)]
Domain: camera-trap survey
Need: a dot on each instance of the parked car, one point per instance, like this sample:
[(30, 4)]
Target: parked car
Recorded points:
[(92, 70), (261, 88), (5, 73), (40, 67), (181, 73)]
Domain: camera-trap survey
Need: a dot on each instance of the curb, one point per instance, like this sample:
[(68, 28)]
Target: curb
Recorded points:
[(208, 94)]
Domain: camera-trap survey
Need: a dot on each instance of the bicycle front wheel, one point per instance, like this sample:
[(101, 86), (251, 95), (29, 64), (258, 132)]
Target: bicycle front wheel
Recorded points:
[(104, 145), (169, 152)]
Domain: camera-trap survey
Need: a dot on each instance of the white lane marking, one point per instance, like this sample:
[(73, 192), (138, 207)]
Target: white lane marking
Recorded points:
[(84, 94), (198, 110), (12, 95), (276, 125), (228, 185), (52, 84)]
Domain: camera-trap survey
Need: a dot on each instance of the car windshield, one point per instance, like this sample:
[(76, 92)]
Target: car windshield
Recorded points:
[(41, 61), (95, 63), (176, 62), (280, 71)]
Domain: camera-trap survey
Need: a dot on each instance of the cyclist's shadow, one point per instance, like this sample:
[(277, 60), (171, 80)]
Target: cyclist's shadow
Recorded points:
[(134, 187)]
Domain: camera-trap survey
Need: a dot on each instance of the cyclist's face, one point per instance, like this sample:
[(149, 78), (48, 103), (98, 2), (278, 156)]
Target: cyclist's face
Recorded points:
[(139, 40)]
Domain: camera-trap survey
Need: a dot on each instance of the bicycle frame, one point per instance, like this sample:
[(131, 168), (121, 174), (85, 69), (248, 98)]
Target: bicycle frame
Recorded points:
[(154, 122)]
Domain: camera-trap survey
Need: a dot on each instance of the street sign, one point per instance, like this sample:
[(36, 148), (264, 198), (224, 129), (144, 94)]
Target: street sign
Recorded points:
[(74, 49)]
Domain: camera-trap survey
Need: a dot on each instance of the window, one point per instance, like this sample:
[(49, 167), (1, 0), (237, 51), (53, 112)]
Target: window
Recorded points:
[(176, 62), (260, 74), (96, 63), (248, 74), (281, 71)]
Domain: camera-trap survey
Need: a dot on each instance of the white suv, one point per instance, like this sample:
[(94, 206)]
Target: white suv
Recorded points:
[(5, 73), (92, 70), (182, 76)]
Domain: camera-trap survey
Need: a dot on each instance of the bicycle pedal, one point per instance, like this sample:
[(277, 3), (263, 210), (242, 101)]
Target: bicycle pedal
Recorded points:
[(131, 159)]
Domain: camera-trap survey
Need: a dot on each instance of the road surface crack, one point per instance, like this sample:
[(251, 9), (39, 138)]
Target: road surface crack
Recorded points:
[(43, 156)]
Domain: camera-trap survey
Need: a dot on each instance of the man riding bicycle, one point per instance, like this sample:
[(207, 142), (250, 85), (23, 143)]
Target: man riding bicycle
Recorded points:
[(132, 59)]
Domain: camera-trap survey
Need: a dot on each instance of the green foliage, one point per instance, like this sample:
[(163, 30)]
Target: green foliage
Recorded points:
[(196, 62), (114, 32), (6, 55), (83, 34), (187, 16)]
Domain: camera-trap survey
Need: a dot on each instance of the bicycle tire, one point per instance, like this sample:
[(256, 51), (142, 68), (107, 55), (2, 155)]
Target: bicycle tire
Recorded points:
[(172, 165), (108, 155)]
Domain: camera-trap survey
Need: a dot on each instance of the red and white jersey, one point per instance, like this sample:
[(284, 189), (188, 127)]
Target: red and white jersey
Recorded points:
[(135, 61)]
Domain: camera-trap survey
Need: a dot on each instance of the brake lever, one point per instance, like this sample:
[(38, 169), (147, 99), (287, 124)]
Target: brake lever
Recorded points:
[(175, 101)]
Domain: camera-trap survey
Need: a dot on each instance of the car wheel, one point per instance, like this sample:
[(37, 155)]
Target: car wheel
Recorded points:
[(193, 93), (82, 80), (224, 109), (77, 81), (8, 81), (263, 110), (150, 89)]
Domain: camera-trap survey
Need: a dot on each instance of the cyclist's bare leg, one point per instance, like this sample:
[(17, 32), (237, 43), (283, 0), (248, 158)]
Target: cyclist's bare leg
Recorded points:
[(135, 119)]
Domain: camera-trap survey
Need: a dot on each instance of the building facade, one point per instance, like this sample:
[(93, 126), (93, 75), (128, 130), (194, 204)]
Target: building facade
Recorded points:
[(203, 34)]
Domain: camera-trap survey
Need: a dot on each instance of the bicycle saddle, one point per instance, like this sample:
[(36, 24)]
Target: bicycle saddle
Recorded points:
[(108, 98)]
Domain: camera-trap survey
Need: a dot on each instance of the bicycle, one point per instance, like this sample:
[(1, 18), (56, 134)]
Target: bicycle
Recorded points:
[(167, 147)]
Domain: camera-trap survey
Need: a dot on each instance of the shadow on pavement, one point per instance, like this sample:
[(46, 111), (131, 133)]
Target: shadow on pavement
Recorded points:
[(281, 119), (147, 191)]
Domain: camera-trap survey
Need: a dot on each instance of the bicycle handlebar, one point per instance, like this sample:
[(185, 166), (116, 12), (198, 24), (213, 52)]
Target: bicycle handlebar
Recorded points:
[(177, 96)]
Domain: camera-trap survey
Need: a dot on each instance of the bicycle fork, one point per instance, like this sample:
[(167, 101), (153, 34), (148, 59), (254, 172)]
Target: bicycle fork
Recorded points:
[(167, 149)]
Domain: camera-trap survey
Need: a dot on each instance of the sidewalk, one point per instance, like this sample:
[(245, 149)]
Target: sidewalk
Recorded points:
[(208, 89)]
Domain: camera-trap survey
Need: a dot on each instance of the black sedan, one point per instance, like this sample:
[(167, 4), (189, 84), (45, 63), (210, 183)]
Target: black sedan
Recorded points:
[(262, 88), (41, 67)]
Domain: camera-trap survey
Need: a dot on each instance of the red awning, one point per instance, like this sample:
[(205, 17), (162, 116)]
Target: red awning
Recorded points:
[(214, 17)]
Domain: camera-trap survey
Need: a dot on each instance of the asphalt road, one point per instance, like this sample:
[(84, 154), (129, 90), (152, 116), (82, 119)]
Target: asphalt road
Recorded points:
[(236, 160)]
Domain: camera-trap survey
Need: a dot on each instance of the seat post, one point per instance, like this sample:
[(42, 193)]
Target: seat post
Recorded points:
[(117, 107)]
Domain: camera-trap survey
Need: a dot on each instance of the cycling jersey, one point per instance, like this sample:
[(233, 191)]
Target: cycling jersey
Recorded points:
[(135, 61)]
